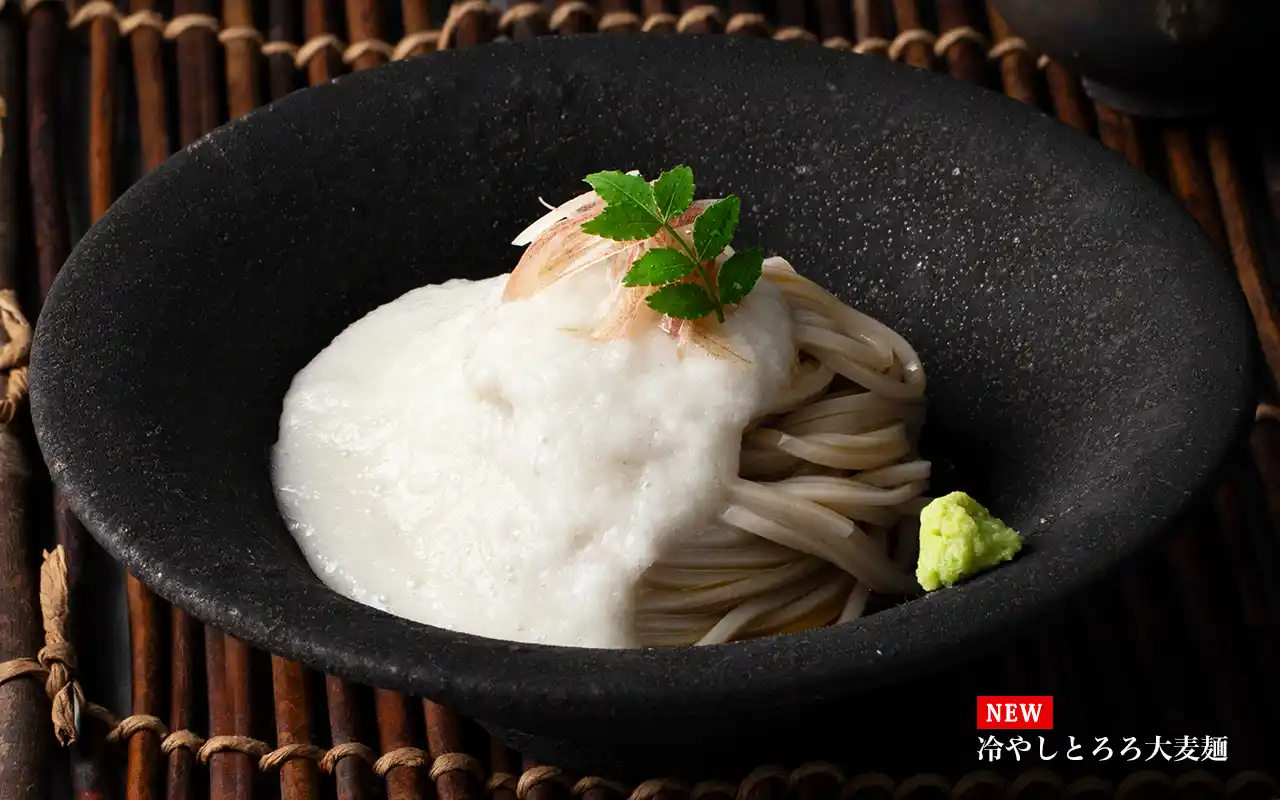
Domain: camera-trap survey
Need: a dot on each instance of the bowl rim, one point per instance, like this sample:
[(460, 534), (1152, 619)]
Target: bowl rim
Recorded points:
[(481, 676)]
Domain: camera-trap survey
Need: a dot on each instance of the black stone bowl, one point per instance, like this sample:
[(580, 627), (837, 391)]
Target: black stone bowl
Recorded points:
[(1089, 355)]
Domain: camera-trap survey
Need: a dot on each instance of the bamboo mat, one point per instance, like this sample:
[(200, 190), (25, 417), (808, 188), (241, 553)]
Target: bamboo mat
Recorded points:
[(1184, 643)]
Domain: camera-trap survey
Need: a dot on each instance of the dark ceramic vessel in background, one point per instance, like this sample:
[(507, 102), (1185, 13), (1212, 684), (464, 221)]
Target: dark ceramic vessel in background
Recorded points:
[(1088, 352), (1158, 58)]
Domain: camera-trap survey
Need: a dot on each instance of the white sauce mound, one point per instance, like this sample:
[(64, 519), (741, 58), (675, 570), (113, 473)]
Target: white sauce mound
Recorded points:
[(480, 467)]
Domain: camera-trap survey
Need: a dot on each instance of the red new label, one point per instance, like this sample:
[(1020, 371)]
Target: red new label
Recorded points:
[(1015, 712)]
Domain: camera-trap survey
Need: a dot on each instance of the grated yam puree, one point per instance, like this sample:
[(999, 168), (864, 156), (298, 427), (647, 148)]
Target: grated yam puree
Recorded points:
[(489, 468)]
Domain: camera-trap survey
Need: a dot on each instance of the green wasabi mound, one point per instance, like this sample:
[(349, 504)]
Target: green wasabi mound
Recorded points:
[(958, 539)]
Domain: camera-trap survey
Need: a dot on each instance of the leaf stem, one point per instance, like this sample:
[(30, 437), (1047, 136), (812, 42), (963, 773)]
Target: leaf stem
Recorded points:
[(697, 266)]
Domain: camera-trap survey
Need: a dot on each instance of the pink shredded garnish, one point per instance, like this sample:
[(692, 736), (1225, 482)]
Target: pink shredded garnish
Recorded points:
[(558, 248)]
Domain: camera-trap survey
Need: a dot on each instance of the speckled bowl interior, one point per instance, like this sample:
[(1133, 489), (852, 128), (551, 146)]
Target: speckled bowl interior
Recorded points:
[(1088, 354)]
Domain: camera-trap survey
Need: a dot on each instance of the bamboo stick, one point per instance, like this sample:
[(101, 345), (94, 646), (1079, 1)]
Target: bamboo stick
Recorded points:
[(46, 24), (25, 734)]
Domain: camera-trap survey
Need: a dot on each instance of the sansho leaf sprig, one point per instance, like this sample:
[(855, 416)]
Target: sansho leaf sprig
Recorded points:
[(635, 209)]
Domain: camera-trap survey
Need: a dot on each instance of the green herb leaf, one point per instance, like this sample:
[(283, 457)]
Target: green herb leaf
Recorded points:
[(621, 190), (739, 274), (673, 192), (713, 229), (623, 223), (658, 267), (636, 210), (682, 301)]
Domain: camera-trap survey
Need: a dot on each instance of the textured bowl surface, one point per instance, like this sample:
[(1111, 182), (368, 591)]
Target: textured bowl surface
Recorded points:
[(1089, 355)]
